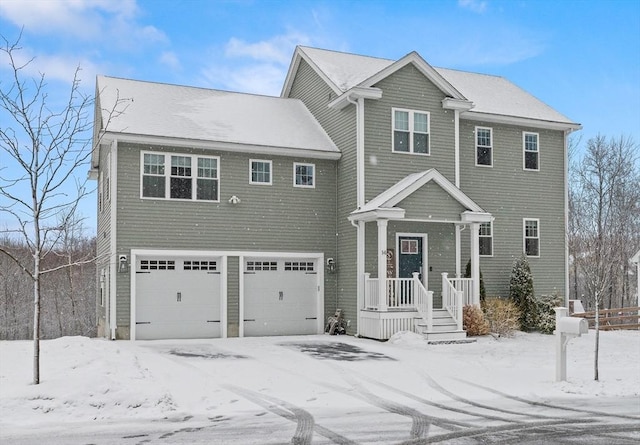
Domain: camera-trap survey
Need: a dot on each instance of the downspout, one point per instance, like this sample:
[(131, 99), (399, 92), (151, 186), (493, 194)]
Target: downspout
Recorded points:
[(456, 150), (566, 218), (359, 104)]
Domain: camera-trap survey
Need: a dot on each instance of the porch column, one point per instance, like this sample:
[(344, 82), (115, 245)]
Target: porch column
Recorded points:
[(382, 263), (475, 261)]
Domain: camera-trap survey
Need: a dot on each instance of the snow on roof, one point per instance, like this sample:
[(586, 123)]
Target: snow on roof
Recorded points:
[(174, 111), (489, 94)]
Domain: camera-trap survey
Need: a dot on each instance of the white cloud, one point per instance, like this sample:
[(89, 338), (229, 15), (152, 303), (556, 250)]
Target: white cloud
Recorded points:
[(170, 59), (257, 79), (275, 50), (478, 6)]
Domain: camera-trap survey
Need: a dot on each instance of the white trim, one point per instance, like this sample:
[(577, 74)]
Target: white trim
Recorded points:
[(113, 226), (425, 254), (519, 121), (525, 151), (456, 146), (491, 237), (241, 261), (304, 164), (475, 134), (524, 237), (411, 130), (355, 93), (167, 175), (225, 146), (266, 161)]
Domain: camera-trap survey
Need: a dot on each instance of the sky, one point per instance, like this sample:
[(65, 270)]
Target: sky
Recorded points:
[(580, 57)]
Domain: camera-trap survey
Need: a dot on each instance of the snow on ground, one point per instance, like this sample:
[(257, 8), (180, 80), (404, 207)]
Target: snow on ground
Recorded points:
[(85, 380)]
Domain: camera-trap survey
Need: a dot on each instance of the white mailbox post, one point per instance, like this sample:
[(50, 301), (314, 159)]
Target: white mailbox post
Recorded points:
[(566, 329)]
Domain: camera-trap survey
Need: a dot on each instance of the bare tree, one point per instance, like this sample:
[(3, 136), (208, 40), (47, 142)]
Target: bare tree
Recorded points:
[(603, 229), (46, 148)]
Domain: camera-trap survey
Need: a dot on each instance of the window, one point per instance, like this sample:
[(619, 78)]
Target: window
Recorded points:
[(409, 247), (157, 265), (200, 265), (410, 131), (484, 146), (532, 237), (189, 177), (307, 266), (252, 266), (531, 151), (304, 175), (260, 172), (486, 239)]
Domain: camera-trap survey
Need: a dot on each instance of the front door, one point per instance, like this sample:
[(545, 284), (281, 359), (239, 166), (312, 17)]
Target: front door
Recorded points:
[(409, 261)]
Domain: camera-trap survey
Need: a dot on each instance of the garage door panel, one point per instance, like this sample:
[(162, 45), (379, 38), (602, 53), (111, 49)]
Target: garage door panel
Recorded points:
[(281, 300), (178, 301)]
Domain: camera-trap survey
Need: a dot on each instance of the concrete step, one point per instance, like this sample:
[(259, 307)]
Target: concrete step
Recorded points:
[(445, 336)]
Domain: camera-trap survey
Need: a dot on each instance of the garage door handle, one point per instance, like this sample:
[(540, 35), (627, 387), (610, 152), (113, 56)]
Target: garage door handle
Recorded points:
[(311, 318), (213, 321), (143, 322), (249, 319)]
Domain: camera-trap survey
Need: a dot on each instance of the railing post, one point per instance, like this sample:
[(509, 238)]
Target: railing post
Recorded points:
[(459, 309), (414, 286), (430, 311), (367, 293)]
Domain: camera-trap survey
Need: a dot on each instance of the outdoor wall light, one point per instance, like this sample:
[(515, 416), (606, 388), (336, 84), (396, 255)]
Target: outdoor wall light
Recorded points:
[(331, 265), (234, 200), (123, 265)]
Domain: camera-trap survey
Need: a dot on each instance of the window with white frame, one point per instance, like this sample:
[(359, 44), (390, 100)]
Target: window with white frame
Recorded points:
[(410, 131), (531, 151), (486, 239), (188, 177), (259, 172), (532, 237), (304, 175), (484, 146)]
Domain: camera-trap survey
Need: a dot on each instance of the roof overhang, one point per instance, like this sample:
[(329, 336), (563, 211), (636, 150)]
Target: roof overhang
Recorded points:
[(353, 94), (222, 146), (449, 103), (520, 121), (298, 55), (394, 213)]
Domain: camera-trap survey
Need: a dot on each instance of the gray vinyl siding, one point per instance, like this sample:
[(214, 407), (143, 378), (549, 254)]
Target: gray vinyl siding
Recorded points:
[(511, 193), (103, 237), (409, 89), (276, 217), (431, 202), (233, 296), (340, 125)]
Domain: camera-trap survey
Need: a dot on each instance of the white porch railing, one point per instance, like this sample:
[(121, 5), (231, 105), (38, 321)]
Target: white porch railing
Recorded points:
[(464, 285), (452, 299)]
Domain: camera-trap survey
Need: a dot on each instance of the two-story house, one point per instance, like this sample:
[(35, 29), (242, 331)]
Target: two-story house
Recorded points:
[(367, 186)]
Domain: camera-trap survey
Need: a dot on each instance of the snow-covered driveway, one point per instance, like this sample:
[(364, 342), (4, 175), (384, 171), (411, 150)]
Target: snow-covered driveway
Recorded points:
[(321, 389)]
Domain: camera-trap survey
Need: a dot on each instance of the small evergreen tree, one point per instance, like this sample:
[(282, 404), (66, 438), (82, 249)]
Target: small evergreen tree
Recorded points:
[(521, 293), (467, 274)]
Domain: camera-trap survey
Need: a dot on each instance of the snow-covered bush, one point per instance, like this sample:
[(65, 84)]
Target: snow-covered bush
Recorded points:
[(546, 314), (521, 293), (473, 321), (502, 315)]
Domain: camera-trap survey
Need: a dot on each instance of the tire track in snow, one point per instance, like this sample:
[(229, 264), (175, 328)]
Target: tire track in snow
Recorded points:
[(304, 420), (549, 405)]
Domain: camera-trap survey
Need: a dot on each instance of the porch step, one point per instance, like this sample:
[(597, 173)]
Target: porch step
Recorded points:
[(444, 329), (445, 336)]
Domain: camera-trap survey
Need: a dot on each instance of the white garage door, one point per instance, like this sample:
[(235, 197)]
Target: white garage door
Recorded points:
[(280, 296), (177, 298)]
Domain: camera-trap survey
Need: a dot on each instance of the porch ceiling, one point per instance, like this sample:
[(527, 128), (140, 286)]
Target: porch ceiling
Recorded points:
[(383, 206)]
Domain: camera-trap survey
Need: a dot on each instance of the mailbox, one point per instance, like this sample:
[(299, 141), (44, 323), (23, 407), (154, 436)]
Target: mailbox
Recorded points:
[(572, 325)]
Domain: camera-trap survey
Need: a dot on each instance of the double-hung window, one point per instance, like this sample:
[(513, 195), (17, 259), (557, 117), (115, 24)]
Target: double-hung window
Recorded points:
[(484, 146), (410, 131), (177, 176), (486, 239), (304, 175), (260, 172), (531, 149), (531, 237)]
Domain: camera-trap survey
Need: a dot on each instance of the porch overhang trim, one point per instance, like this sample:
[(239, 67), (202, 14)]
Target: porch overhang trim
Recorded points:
[(476, 217), (355, 93), (394, 213)]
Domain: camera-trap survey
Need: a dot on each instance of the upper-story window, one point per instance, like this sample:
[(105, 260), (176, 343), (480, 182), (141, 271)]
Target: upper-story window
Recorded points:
[(484, 146), (531, 151), (191, 177), (486, 239), (532, 237), (410, 131), (260, 172), (304, 175)]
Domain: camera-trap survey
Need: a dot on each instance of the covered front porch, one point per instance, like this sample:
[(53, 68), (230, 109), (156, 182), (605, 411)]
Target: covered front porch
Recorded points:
[(426, 230)]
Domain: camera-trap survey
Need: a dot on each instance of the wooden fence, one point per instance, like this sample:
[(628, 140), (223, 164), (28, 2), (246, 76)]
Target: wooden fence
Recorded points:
[(610, 319)]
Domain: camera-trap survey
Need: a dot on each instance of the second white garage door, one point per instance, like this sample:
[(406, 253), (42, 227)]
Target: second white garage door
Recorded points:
[(281, 296)]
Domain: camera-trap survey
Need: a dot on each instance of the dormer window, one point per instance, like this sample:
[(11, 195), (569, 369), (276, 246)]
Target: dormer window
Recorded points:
[(410, 131)]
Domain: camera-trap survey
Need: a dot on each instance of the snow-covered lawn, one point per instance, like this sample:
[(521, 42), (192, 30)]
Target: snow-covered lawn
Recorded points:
[(93, 380)]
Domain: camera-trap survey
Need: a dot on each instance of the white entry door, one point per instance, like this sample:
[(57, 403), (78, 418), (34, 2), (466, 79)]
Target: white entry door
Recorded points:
[(177, 298), (281, 296)]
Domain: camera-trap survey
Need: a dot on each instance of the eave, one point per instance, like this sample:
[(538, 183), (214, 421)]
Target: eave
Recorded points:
[(520, 121), (355, 93)]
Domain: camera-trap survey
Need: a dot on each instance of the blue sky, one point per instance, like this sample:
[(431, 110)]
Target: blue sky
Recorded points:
[(580, 57)]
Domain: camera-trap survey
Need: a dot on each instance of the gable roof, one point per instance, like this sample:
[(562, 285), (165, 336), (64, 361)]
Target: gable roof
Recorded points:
[(491, 95), (200, 115), (384, 204)]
